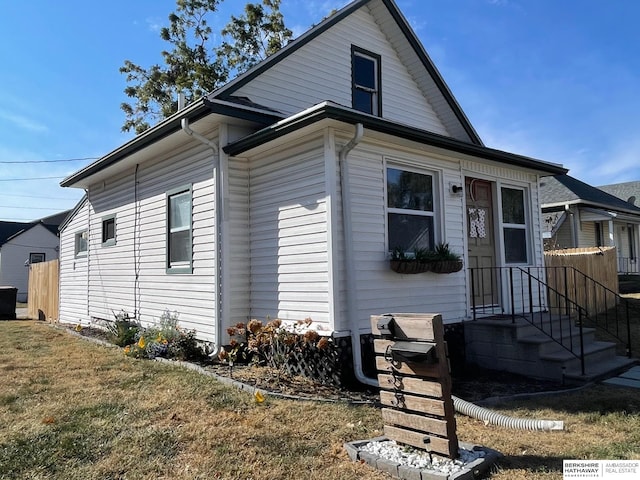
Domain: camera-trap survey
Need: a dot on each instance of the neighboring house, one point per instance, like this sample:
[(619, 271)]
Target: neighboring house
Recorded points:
[(282, 193), (628, 191), (576, 214), (22, 244)]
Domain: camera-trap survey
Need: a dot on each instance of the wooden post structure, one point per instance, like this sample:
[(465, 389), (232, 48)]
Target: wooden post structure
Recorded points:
[(415, 381)]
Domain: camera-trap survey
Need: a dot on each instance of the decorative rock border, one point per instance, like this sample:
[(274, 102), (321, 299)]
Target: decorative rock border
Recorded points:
[(473, 470)]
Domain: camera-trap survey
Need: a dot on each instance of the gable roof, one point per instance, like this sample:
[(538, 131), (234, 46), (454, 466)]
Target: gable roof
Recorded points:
[(223, 102), (413, 54), (10, 229), (563, 189), (624, 191)]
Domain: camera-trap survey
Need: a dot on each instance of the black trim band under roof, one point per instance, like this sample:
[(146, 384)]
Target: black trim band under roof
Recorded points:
[(336, 112)]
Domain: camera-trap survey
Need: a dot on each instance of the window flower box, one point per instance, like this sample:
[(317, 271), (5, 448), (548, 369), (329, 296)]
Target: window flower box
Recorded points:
[(440, 260)]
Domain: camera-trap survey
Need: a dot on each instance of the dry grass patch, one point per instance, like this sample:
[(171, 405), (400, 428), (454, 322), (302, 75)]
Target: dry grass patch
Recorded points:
[(70, 409)]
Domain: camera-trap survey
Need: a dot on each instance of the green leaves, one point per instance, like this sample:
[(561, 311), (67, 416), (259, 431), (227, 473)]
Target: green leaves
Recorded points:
[(193, 64)]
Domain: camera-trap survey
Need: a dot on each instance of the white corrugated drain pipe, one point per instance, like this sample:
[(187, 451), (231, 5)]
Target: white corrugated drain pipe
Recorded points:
[(216, 225), (461, 406)]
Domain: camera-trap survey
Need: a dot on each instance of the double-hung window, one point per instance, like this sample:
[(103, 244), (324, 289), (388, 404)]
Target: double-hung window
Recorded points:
[(179, 223), (81, 244), (365, 79), (410, 210), (514, 225)]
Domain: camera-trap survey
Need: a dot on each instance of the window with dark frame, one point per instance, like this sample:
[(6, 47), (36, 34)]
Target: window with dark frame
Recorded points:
[(109, 231), (410, 210), (36, 257), (366, 81), (179, 224), (514, 225)]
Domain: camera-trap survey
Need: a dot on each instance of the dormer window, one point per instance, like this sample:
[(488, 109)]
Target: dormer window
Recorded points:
[(365, 76)]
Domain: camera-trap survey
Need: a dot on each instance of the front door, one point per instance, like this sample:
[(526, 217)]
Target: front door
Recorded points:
[(481, 241)]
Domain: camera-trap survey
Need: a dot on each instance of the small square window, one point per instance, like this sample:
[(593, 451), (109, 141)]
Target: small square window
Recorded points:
[(109, 231), (81, 243)]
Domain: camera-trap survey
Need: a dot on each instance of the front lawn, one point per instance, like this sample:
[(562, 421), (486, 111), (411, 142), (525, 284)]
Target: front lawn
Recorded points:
[(70, 409)]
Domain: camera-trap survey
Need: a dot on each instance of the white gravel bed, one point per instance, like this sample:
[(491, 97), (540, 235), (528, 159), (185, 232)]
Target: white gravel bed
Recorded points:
[(412, 457)]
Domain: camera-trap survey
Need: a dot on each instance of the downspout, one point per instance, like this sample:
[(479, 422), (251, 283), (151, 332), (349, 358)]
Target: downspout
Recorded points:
[(86, 191), (350, 267), (461, 406), (216, 226)]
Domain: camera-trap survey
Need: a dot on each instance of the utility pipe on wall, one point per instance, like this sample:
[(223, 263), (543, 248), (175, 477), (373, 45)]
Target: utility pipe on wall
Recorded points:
[(216, 226), (350, 270), (461, 406)]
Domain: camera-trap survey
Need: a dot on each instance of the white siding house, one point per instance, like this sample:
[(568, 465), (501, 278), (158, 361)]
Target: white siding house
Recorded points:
[(282, 194)]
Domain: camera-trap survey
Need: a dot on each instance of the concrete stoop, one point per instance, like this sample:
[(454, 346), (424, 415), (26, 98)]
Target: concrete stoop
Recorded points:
[(519, 347)]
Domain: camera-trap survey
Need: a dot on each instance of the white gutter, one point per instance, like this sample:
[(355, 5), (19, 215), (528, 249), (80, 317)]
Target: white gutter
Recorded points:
[(352, 306), (216, 225)]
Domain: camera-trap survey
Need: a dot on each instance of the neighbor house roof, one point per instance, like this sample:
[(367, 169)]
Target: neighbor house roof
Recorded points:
[(10, 229), (626, 191), (563, 190), (333, 111)]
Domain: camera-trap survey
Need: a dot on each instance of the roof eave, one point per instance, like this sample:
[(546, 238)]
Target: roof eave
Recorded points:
[(332, 111)]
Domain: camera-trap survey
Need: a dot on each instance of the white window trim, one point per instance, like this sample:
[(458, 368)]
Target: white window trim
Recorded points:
[(437, 213), (527, 226), (185, 266)]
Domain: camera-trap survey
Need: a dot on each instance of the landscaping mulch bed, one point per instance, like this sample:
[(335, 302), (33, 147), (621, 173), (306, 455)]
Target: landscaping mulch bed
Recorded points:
[(473, 384)]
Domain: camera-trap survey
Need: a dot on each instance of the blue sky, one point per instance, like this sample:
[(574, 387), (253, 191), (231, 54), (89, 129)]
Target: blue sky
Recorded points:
[(555, 80)]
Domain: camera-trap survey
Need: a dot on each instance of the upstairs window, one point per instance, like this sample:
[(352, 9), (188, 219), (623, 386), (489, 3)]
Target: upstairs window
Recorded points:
[(109, 231), (410, 210), (514, 225), (179, 243), (365, 78)]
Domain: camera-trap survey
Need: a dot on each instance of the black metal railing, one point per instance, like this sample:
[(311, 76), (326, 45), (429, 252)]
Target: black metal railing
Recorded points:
[(557, 300), (628, 266)]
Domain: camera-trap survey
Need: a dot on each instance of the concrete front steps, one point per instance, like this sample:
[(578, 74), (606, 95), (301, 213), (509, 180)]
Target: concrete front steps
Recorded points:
[(519, 347)]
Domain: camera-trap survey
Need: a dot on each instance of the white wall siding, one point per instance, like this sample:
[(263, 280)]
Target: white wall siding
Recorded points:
[(74, 272), (142, 208), (288, 235), (16, 251), (379, 289), (297, 83)]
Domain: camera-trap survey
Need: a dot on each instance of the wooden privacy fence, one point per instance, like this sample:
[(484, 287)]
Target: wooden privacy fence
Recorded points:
[(44, 288), (597, 263)]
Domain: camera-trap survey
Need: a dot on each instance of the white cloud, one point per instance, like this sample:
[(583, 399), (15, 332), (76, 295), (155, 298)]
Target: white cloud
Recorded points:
[(23, 122)]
